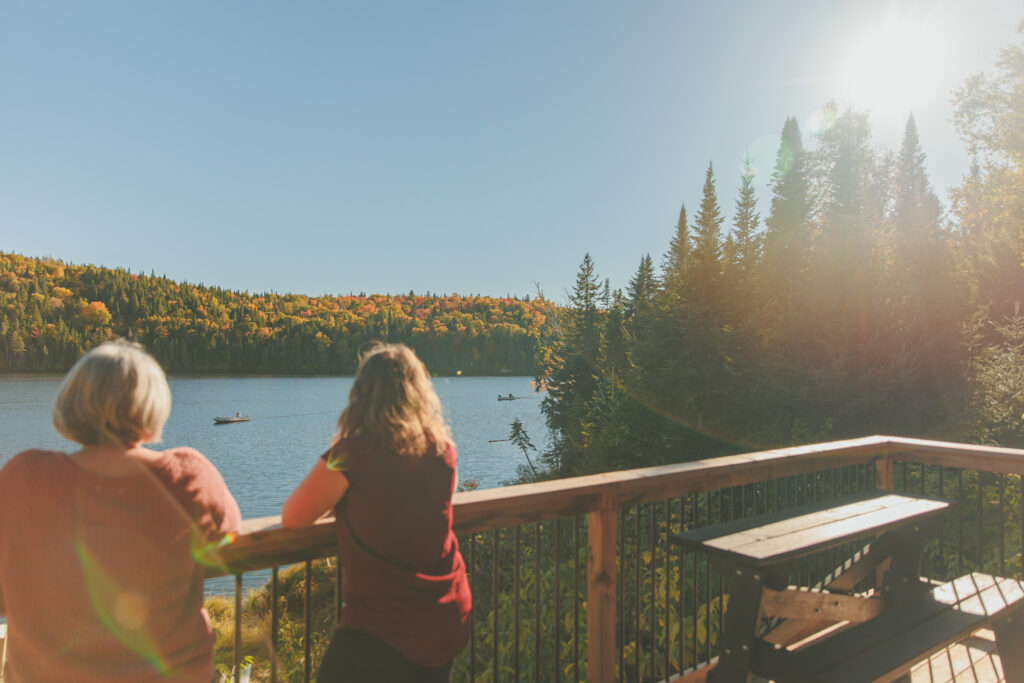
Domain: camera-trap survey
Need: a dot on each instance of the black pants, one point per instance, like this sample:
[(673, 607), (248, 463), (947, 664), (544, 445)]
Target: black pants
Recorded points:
[(358, 657)]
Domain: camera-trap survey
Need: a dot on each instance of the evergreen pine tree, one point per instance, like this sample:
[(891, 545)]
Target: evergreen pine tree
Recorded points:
[(707, 246), (787, 237), (641, 288), (676, 265), (745, 237)]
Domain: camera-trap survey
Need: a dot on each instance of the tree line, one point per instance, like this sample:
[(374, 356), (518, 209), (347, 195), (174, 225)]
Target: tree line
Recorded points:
[(858, 305), (52, 312)]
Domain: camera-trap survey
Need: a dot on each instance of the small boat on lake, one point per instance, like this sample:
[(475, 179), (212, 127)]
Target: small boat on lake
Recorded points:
[(510, 397), (227, 419)]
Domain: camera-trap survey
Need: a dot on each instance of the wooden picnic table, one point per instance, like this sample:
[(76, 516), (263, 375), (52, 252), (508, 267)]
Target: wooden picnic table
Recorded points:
[(766, 616)]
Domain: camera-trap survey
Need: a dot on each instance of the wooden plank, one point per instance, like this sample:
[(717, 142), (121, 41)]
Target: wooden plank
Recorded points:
[(601, 537), (892, 643), (845, 578), (819, 535), (764, 540), (968, 456), (699, 675), (799, 604), (780, 521), (794, 630)]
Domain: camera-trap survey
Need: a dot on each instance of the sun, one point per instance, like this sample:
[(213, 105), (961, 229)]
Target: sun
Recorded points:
[(895, 67)]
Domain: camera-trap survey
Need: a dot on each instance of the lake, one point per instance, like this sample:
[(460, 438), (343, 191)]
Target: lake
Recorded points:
[(293, 419)]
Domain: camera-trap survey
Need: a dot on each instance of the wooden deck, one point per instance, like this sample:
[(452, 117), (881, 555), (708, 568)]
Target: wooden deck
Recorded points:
[(973, 661)]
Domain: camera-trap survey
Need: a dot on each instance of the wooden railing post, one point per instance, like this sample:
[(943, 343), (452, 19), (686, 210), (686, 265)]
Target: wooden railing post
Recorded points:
[(885, 478), (601, 539)]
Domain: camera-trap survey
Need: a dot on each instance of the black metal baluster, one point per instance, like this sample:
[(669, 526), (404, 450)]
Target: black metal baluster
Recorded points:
[(274, 626), (707, 586), (942, 530), (654, 583), (1002, 544), (558, 600), (472, 612), (536, 604), (696, 576), (515, 602), (494, 605), (307, 660), (960, 522), (981, 523), (576, 597), (667, 605), (620, 594), (636, 591), (236, 669), (338, 592), (682, 588)]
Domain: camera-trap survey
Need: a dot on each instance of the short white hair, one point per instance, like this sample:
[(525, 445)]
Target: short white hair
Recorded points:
[(115, 395)]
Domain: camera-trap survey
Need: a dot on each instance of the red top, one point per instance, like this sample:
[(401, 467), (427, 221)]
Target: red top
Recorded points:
[(404, 578), (97, 573)]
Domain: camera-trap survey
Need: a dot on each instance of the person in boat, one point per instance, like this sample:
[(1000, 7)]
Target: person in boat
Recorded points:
[(238, 414), (389, 476), (101, 549)]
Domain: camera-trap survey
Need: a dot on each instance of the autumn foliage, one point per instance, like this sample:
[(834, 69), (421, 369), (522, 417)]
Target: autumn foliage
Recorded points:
[(52, 312)]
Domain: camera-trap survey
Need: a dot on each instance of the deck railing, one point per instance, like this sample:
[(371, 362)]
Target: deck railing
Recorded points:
[(574, 579)]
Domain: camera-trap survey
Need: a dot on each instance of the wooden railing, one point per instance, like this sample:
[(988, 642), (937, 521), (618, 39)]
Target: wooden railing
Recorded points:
[(600, 497), (720, 488)]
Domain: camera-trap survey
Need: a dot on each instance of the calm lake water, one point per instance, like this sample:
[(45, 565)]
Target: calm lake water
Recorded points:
[(292, 422)]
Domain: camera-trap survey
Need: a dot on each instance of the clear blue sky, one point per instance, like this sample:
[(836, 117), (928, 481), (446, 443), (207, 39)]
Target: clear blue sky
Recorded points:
[(470, 147)]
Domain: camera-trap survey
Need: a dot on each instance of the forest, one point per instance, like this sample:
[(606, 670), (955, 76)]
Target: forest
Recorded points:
[(858, 305), (52, 312)]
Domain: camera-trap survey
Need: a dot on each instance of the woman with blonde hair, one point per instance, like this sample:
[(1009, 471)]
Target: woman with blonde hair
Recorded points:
[(389, 476), (101, 550)]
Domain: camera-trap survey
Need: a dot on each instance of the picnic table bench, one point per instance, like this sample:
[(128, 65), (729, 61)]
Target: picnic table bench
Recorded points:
[(833, 634)]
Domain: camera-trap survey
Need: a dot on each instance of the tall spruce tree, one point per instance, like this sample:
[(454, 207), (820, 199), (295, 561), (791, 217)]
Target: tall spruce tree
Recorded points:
[(570, 373), (641, 289), (676, 264), (787, 235), (746, 223), (743, 250), (706, 267), (920, 295)]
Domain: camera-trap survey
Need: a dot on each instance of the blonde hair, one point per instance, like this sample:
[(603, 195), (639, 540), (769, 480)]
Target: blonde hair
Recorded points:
[(393, 404), (115, 395)]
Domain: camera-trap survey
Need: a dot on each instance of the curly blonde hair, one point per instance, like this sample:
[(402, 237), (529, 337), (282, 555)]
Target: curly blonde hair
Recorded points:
[(393, 404)]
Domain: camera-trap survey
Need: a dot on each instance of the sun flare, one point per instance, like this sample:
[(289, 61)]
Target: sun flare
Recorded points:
[(894, 68)]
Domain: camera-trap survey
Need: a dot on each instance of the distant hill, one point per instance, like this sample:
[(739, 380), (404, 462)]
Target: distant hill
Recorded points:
[(52, 312)]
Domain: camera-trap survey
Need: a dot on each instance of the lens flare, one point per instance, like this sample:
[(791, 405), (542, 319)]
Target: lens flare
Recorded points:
[(337, 460), (206, 551), (894, 67), (123, 613)]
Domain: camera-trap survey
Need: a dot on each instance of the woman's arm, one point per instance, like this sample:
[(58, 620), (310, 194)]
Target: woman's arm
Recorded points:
[(319, 492)]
